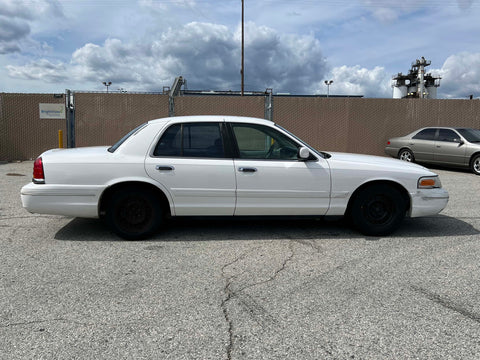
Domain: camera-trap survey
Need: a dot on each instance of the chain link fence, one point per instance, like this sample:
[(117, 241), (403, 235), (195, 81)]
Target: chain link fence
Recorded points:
[(356, 125)]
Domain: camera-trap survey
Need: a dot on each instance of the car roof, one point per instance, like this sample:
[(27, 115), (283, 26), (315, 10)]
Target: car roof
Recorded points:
[(444, 127), (211, 118)]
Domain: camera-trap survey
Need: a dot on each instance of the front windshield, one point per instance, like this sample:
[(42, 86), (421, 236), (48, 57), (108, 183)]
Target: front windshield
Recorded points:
[(123, 139), (471, 135)]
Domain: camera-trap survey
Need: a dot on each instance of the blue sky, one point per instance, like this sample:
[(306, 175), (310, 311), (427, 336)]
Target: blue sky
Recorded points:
[(291, 46)]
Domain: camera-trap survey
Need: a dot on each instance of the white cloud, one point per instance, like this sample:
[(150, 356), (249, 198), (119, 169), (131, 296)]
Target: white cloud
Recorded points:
[(465, 4), (16, 18), (388, 11), (12, 8), (158, 5), (12, 32), (12, 29), (460, 76), (42, 70), (143, 45), (284, 62), (8, 48), (356, 80), (207, 55)]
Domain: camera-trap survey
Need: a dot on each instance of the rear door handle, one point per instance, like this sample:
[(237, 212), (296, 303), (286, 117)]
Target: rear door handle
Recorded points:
[(164, 168), (247, 169)]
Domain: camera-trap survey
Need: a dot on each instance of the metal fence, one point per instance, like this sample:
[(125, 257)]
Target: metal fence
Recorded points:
[(337, 124), (23, 135)]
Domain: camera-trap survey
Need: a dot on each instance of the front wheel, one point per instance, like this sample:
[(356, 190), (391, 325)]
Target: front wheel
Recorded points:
[(133, 213), (475, 164), (378, 210)]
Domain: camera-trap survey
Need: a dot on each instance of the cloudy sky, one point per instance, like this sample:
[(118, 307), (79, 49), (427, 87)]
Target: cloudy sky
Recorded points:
[(291, 46)]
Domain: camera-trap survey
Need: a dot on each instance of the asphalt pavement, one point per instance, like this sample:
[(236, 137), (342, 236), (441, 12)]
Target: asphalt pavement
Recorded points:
[(210, 289)]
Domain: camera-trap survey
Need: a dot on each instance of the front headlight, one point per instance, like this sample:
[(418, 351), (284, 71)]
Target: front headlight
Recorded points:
[(429, 182)]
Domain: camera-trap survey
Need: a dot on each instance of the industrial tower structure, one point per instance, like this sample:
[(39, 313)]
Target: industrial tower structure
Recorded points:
[(416, 84)]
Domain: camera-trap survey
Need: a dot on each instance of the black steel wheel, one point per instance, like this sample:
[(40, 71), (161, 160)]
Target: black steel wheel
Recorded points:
[(406, 155), (475, 164), (378, 210), (134, 214)]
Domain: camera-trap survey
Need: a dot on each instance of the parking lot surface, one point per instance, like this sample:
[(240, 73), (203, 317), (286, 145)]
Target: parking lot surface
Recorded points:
[(210, 289)]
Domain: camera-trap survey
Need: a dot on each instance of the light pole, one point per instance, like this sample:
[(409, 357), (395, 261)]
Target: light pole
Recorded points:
[(107, 84), (328, 83)]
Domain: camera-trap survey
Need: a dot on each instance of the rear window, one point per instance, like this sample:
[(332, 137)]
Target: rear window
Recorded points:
[(123, 139), (426, 134)]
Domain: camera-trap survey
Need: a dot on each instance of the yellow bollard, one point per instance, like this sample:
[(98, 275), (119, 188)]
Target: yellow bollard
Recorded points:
[(60, 139)]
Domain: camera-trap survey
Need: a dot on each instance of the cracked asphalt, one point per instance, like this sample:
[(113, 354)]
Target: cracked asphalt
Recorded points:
[(276, 289)]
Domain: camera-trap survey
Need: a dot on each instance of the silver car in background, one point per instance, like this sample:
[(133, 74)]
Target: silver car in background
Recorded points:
[(446, 146)]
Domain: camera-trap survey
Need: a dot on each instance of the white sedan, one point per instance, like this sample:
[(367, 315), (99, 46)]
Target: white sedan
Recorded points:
[(226, 166)]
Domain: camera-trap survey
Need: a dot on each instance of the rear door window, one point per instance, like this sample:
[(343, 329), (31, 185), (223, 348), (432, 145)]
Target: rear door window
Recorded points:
[(191, 140), (426, 134)]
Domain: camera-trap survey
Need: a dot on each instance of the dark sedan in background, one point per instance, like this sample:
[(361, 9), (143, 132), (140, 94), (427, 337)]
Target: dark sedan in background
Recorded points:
[(446, 146)]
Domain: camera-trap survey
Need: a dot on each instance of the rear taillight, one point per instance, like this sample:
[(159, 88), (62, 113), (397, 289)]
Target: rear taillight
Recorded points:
[(38, 175), (388, 142)]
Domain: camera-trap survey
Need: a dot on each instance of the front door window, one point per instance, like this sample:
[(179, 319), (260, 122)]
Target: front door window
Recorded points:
[(262, 142)]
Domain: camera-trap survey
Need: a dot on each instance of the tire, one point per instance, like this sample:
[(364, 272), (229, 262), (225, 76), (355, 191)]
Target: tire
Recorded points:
[(406, 155), (475, 164), (378, 210), (134, 213)]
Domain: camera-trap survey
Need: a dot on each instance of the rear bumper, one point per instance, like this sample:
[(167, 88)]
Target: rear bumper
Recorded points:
[(428, 202), (391, 151), (67, 200)]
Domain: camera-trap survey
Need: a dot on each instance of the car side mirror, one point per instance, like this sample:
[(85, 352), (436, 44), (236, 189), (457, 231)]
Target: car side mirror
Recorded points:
[(303, 153)]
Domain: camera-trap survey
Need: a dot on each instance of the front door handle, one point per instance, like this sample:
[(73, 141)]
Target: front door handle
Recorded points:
[(164, 168), (247, 169)]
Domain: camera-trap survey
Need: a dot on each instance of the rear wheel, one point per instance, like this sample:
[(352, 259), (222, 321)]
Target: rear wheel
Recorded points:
[(406, 155), (134, 213), (378, 210), (475, 164)]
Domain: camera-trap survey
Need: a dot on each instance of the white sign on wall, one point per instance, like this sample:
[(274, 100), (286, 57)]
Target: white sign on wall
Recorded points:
[(52, 111)]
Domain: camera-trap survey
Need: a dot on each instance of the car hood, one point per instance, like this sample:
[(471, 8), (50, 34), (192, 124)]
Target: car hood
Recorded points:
[(364, 162)]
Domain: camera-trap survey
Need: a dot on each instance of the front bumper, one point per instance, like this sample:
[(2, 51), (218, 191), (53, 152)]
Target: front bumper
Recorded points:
[(426, 202)]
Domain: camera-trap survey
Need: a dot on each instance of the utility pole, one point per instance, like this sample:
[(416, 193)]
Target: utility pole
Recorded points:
[(243, 46)]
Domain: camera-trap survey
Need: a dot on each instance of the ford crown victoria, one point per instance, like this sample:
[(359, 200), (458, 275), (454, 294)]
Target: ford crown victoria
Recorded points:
[(226, 166)]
